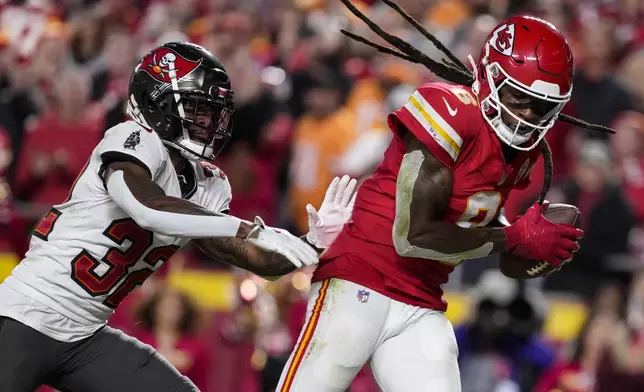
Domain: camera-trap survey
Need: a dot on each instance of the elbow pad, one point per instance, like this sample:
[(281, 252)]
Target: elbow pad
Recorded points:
[(406, 249), (169, 223), (409, 169)]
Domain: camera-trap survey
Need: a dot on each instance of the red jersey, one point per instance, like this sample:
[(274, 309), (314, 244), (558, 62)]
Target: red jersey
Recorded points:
[(447, 119)]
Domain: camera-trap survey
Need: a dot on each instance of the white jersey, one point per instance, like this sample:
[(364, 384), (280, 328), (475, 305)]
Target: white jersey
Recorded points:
[(86, 254)]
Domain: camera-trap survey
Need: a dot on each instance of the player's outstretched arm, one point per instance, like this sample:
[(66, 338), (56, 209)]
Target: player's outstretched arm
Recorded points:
[(423, 189), (130, 186), (242, 254), (324, 227)]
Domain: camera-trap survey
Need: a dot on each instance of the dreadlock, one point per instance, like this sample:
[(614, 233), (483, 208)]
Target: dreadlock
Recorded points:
[(408, 52), (584, 124), (450, 69), (547, 163)]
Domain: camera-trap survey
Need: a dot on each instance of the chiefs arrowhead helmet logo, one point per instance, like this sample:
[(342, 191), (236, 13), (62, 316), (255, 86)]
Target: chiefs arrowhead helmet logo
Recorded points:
[(503, 39), (165, 64)]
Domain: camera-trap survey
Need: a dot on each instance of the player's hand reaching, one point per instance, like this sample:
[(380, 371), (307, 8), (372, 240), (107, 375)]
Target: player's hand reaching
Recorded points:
[(298, 252), (533, 236), (325, 225)]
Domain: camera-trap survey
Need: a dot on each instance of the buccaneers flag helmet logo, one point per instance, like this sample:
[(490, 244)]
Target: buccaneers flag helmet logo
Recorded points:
[(165, 65)]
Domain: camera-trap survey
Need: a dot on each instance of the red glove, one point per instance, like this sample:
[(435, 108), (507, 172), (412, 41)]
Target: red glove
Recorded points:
[(533, 236)]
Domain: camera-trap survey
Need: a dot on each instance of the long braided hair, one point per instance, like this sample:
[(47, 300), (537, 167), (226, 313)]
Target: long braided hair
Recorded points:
[(450, 69)]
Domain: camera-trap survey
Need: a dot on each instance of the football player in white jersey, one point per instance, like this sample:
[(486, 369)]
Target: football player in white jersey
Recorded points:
[(147, 189)]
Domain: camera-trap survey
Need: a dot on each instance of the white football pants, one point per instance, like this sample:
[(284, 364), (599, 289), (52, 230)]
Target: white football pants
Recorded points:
[(411, 349)]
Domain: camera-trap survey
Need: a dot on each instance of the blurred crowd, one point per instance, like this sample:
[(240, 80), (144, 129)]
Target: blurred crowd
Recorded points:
[(310, 105)]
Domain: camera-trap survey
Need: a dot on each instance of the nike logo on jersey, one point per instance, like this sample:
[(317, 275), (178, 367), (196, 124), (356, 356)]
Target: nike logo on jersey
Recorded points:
[(451, 111)]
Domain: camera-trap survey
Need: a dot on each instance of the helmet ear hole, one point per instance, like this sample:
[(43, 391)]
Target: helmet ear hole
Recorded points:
[(148, 104), (494, 71), (154, 106)]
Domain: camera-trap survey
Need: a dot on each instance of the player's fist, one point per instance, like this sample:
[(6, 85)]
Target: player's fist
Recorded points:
[(533, 236), (326, 224), (280, 241)]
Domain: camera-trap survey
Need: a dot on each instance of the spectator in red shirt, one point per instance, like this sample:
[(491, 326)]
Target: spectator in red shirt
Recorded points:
[(628, 150), (169, 322), (607, 222), (13, 229), (578, 374), (60, 141)]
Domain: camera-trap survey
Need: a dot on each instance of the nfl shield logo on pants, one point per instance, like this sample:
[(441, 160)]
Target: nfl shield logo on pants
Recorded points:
[(363, 295)]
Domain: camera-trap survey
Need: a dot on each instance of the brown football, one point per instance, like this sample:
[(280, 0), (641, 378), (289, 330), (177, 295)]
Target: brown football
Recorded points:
[(519, 268)]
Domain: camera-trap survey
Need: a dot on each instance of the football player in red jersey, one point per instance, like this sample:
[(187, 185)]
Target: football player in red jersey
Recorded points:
[(458, 150)]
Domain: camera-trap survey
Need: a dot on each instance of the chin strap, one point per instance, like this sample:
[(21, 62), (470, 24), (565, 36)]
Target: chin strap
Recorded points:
[(184, 151)]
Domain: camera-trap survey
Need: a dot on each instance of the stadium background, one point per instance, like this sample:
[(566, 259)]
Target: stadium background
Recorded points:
[(311, 105)]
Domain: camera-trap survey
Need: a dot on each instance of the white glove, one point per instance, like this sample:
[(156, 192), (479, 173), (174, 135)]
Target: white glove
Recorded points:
[(325, 225), (280, 241)]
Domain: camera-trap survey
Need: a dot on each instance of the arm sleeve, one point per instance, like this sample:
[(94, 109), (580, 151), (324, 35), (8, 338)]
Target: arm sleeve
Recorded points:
[(436, 117), (131, 142), (407, 177), (170, 223)]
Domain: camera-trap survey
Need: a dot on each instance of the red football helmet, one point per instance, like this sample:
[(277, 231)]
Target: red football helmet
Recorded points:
[(533, 57)]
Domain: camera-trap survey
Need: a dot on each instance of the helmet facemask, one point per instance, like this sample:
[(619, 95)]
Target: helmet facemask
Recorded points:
[(201, 123), (513, 129)]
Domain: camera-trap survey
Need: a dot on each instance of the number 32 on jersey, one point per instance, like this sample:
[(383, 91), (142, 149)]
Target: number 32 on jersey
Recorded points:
[(117, 280)]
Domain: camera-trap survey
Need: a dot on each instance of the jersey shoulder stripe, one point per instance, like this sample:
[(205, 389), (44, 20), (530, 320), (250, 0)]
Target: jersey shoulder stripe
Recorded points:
[(434, 124)]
